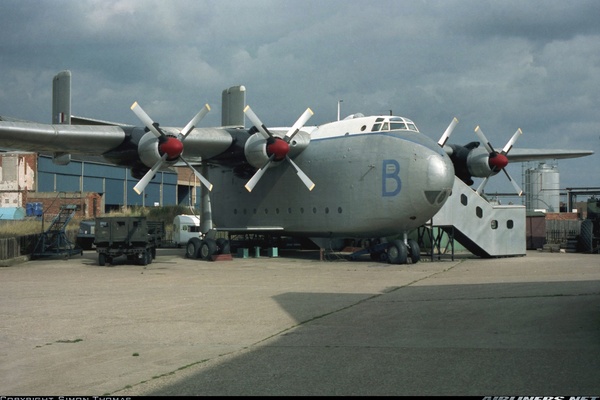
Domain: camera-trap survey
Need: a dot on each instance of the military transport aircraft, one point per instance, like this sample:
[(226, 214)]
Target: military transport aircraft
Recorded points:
[(362, 177)]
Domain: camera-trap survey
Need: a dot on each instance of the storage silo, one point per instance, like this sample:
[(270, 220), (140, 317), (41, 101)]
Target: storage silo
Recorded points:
[(542, 190)]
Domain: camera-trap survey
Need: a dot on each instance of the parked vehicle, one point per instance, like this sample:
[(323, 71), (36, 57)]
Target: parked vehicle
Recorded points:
[(135, 237), (86, 235), (185, 227)]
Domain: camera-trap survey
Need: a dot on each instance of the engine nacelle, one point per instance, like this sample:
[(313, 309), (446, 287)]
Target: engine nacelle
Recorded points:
[(255, 148), (478, 163)]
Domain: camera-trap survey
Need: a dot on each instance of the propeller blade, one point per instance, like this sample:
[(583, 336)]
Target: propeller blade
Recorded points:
[(482, 185), (257, 122), (517, 188), (299, 124), (484, 140), (202, 179), (145, 118), (188, 128), (141, 185), (257, 175), (509, 145), (448, 132), (309, 184)]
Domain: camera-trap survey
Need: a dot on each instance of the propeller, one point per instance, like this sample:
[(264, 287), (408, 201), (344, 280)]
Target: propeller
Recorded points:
[(498, 161), (278, 148), (169, 147)]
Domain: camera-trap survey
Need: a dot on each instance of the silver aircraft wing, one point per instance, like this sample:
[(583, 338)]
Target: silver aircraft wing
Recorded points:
[(517, 155), (76, 139)]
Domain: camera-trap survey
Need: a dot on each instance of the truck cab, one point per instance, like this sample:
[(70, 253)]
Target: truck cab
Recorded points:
[(185, 227)]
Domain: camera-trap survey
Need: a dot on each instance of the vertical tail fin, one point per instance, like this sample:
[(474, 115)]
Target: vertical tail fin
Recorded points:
[(61, 98), (233, 103)]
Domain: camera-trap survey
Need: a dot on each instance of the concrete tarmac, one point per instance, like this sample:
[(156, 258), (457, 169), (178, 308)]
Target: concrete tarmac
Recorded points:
[(295, 325)]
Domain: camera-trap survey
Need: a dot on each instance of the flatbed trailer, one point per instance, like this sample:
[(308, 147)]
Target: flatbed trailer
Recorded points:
[(134, 237)]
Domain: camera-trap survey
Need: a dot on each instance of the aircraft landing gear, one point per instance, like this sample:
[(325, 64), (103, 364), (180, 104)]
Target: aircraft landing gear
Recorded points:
[(414, 251), (396, 252), (206, 248), (192, 248)]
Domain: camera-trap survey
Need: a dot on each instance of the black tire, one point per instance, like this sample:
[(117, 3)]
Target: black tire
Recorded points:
[(101, 259), (586, 235), (143, 260), (223, 246), (397, 252), (414, 251), (208, 248), (192, 248)]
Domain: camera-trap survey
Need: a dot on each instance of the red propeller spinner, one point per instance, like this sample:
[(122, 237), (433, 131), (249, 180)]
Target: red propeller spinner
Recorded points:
[(498, 161), (279, 148), (172, 147)]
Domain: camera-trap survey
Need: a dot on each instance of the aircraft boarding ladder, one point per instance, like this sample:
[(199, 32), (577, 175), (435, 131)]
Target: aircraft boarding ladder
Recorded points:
[(485, 229), (54, 241)]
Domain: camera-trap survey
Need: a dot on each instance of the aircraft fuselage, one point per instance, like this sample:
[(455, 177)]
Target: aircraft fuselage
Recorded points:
[(367, 184)]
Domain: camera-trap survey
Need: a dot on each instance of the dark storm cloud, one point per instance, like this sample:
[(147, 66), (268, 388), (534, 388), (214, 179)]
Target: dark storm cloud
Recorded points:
[(499, 64)]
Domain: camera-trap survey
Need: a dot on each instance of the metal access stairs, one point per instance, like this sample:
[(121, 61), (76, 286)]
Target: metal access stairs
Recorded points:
[(485, 229), (54, 241)]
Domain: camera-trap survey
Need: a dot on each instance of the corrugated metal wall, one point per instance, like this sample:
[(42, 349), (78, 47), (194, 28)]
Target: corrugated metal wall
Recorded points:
[(115, 183)]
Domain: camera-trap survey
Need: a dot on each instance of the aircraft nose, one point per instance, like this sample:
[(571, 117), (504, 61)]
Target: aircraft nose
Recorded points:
[(440, 179)]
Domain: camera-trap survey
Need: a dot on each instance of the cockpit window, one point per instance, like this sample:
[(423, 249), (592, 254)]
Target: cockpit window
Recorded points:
[(397, 125), (393, 124)]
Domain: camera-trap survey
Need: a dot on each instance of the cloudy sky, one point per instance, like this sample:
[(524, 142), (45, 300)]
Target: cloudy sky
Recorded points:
[(503, 65)]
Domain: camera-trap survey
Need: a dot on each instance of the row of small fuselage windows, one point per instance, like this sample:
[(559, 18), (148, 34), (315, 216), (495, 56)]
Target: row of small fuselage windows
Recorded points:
[(479, 213), (277, 210)]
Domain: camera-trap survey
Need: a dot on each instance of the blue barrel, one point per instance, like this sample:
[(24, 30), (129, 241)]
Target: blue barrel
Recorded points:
[(29, 209), (38, 209)]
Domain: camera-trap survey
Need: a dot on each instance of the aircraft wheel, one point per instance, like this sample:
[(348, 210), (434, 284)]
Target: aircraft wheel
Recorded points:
[(223, 246), (102, 259), (208, 248), (397, 252), (414, 251), (192, 248)]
